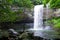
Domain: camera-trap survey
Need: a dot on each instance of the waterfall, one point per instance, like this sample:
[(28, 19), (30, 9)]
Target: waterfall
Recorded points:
[(38, 17), (38, 20), (38, 29)]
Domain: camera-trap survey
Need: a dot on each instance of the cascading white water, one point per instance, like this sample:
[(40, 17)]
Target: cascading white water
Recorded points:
[(38, 17), (38, 20)]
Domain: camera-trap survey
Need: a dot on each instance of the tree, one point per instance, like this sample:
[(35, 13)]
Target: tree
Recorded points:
[(6, 14), (9, 15), (52, 3), (36, 2)]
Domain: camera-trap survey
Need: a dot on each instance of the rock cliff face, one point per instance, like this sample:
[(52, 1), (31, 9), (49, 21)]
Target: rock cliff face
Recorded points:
[(46, 14), (29, 12), (57, 13), (50, 13)]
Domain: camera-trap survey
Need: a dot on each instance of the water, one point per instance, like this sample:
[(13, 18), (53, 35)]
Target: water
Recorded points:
[(38, 20), (40, 30), (38, 17)]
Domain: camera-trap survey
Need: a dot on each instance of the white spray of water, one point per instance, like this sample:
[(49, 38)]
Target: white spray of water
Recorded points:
[(38, 17)]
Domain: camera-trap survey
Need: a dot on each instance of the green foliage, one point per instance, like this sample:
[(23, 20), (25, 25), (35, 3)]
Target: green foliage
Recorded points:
[(9, 1), (6, 12), (45, 2), (55, 21), (53, 3), (24, 3), (36, 2)]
